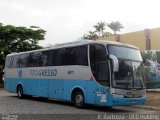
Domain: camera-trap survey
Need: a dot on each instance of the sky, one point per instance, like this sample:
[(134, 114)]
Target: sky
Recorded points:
[(68, 20)]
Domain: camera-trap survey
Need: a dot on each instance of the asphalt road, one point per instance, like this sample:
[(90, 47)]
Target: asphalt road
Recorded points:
[(39, 108)]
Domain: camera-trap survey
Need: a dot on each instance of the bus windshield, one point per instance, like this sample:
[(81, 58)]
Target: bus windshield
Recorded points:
[(125, 52), (130, 73)]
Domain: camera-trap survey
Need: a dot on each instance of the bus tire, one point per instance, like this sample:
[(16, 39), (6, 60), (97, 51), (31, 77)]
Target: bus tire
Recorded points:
[(20, 92), (79, 100)]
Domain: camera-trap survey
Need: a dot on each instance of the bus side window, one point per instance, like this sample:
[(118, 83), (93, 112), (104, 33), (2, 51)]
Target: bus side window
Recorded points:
[(35, 59), (93, 60), (48, 58), (16, 61), (69, 56), (81, 56), (8, 61), (11, 62), (24, 60), (76, 56), (99, 64), (59, 59), (103, 72)]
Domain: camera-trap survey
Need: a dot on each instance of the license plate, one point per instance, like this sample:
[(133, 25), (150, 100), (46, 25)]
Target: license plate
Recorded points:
[(133, 102)]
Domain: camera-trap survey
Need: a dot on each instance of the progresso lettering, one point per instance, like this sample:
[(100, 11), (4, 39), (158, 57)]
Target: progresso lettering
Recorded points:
[(44, 72)]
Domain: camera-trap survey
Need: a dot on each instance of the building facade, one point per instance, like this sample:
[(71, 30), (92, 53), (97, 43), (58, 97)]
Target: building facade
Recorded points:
[(148, 39)]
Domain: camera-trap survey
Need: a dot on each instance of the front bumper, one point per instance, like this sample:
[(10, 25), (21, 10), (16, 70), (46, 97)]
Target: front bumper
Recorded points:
[(117, 101)]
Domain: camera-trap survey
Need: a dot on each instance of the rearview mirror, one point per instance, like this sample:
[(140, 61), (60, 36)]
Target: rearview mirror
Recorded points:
[(115, 63)]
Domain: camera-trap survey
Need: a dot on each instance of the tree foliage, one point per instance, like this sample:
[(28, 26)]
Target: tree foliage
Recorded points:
[(100, 27), (100, 30), (19, 39), (91, 35), (115, 26)]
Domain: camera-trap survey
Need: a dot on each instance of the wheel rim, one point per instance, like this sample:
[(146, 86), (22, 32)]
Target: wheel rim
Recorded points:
[(79, 99)]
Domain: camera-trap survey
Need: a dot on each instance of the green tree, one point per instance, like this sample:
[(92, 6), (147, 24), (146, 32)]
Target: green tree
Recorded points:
[(100, 31), (100, 27), (105, 34), (91, 35), (19, 39), (115, 26)]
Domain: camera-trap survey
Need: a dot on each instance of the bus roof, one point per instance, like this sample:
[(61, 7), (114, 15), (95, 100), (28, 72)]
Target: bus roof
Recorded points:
[(77, 43)]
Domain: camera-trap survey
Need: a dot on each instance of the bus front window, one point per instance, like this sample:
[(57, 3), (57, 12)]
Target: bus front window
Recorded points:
[(130, 73)]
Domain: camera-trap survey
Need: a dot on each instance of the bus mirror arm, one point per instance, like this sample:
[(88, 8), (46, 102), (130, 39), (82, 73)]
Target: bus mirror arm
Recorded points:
[(115, 63)]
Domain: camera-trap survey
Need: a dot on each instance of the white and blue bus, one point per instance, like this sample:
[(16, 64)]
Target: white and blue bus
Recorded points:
[(84, 72)]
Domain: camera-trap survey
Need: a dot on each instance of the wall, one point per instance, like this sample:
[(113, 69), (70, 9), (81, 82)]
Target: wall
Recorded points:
[(135, 38), (139, 38), (155, 39)]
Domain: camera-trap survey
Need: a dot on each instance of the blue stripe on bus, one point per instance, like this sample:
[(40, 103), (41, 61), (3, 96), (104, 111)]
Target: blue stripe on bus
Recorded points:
[(61, 89)]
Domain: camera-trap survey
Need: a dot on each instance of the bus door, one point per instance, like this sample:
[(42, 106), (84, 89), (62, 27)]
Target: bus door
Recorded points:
[(100, 71)]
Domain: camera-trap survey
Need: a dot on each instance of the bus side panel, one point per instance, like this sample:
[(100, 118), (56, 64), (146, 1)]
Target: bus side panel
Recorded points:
[(97, 94), (66, 92), (10, 84), (70, 85), (30, 86), (102, 95), (91, 91), (62, 89), (42, 87), (56, 89)]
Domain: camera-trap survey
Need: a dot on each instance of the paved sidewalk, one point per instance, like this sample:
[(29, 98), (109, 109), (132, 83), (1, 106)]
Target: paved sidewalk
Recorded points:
[(148, 107), (153, 100)]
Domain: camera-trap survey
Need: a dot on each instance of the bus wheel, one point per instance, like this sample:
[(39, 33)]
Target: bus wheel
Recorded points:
[(79, 99), (20, 92)]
